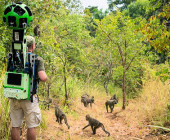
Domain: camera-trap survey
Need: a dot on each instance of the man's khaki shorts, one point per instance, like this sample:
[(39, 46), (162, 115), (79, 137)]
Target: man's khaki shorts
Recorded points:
[(21, 108)]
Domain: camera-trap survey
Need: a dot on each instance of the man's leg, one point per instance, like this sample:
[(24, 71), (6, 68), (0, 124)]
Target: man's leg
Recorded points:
[(32, 117), (15, 133), (31, 134), (16, 115)]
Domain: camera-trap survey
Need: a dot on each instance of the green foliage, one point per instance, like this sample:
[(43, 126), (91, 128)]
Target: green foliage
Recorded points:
[(156, 7), (4, 113), (73, 6), (157, 30), (133, 79), (94, 13), (137, 9), (123, 4), (43, 124), (163, 71), (97, 13), (5, 35), (113, 89), (117, 38)]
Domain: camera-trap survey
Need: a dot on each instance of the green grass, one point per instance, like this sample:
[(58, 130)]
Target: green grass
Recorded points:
[(4, 113)]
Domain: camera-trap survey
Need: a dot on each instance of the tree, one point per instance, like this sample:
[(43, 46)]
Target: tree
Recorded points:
[(72, 6), (5, 37), (94, 13), (103, 63), (156, 7), (137, 9), (71, 35), (156, 31), (119, 3), (118, 34)]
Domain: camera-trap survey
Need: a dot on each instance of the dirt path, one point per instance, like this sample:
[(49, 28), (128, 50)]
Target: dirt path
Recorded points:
[(114, 122)]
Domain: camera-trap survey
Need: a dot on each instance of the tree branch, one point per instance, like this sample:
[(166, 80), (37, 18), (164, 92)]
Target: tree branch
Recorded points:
[(121, 54), (120, 50), (133, 58)]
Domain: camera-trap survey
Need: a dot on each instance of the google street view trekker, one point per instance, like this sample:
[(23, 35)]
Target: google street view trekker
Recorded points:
[(24, 70)]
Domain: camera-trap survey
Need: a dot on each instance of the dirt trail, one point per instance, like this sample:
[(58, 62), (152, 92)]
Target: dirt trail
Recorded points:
[(114, 123)]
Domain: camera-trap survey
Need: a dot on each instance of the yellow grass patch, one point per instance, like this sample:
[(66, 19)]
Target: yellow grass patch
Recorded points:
[(152, 104)]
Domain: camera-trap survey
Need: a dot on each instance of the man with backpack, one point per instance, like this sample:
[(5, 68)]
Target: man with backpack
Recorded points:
[(28, 108)]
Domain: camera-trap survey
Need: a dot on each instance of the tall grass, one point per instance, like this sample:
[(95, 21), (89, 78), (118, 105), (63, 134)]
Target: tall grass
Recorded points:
[(4, 112), (152, 104), (76, 88), (156, 97)]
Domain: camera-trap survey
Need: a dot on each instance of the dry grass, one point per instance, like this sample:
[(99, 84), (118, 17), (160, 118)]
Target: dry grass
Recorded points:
[(151, 105)]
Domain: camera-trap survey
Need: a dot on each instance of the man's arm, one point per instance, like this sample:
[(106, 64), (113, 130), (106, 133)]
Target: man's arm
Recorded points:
[(41, 70), (42, 75)]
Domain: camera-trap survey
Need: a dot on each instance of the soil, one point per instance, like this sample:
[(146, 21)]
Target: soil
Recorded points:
[(114, 122)]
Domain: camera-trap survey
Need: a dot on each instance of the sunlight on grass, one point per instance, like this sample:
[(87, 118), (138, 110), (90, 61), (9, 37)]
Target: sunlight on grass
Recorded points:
[(44, 121), (152, 104)]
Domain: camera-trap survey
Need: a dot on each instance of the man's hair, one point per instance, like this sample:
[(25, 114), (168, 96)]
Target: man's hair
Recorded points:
[(30, 41)]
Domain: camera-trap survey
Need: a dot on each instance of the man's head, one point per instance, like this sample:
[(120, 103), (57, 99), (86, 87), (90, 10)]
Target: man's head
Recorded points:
[(30, 43)]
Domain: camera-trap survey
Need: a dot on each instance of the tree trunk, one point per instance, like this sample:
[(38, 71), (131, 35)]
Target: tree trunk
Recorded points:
[(106, 86), (108, 76), (124, 78), (107, 89), (48, 90), (124, 89), (65, 85)]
